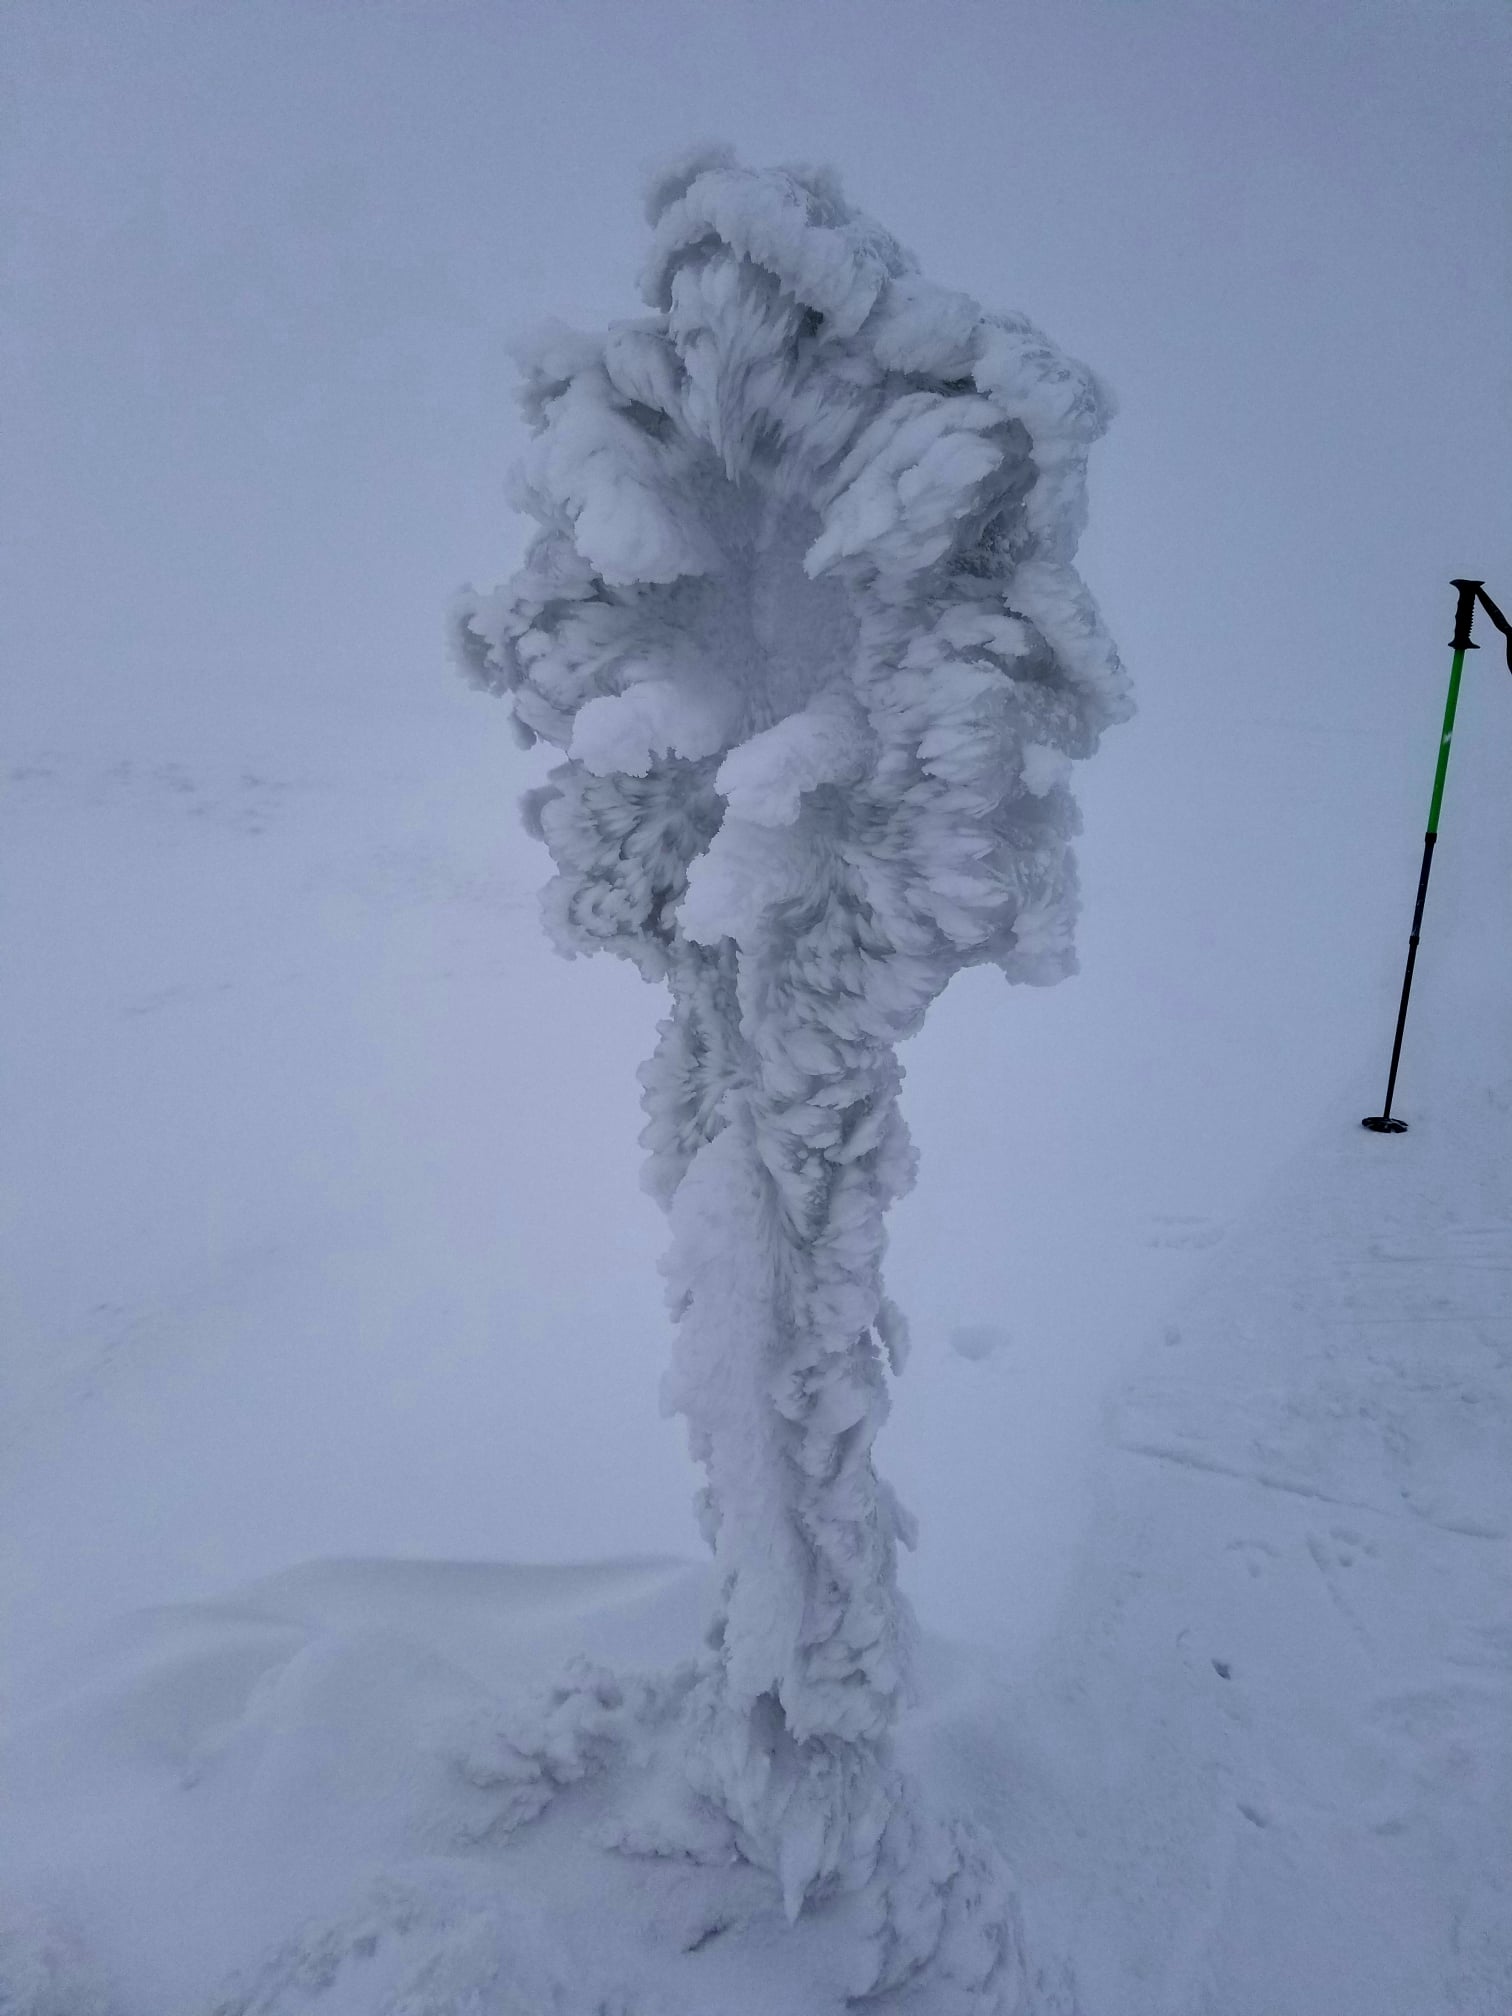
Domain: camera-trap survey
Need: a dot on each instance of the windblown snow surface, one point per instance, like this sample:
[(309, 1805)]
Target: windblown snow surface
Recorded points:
[(1260, 1765)]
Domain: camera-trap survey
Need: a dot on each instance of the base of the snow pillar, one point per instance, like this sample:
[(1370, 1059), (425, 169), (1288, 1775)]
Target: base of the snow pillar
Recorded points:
[(1383, 1123)]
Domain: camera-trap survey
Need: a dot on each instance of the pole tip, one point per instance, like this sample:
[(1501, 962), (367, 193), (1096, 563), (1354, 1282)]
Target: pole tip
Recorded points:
[(1383, 1123)]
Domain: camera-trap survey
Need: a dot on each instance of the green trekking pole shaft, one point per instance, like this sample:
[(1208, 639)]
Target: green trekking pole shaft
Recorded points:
[(1382, 1123), (1450, 705)]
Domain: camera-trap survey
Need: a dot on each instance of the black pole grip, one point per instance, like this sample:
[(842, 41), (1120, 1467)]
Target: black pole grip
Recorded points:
[(1464, 614)]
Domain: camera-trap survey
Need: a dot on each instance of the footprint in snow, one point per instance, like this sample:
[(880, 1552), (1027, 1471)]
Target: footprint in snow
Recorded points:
[(978, 1341)]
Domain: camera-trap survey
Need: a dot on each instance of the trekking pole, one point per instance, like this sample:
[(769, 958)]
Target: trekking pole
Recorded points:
[(1470, 592)]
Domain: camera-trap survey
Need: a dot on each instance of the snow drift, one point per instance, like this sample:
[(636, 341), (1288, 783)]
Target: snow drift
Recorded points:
[(802, 615), (1263, 1767)]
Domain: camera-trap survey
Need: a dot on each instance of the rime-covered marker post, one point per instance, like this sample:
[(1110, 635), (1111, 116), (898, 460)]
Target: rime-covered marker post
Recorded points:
[(802, 616)]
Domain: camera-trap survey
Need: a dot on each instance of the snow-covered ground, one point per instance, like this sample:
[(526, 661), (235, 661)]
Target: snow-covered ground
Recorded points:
[(1270, 1748), (1249, 1743)]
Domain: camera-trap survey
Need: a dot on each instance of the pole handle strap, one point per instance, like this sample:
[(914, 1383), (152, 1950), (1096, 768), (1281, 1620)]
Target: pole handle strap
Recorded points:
[(1471, 592)]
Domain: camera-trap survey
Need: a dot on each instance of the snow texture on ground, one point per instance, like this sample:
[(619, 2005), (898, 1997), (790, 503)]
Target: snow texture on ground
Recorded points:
[(357, 1787), (1265, 1765), (1262, 1768)]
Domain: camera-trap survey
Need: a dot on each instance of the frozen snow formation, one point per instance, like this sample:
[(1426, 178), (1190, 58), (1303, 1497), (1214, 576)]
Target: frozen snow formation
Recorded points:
[(802, 617)]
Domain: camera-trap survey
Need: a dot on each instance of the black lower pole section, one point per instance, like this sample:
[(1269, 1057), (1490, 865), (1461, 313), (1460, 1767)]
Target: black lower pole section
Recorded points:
[(1382, 1123)]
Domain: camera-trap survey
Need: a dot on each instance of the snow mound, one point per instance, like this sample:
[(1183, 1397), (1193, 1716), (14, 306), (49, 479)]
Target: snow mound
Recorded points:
[(366, 1788), (1263, 1768)]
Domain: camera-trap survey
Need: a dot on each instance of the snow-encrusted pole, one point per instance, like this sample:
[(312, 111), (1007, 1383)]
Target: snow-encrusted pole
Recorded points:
[(802, 615)]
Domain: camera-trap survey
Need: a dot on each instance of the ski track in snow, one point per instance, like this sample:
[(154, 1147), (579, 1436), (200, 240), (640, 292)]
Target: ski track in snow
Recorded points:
[(1283, 1690)]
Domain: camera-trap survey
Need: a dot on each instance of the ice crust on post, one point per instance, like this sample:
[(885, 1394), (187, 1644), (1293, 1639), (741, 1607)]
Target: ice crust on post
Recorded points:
[(801, 617)]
